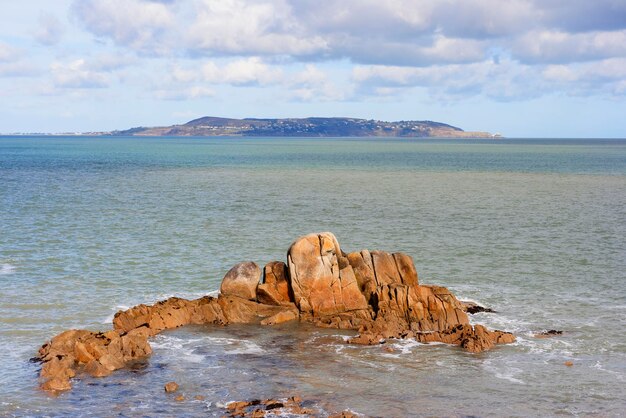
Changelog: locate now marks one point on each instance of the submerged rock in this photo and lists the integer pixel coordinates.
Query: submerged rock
(376, 293)
(548, 334)
(473, 308)
(171, 387)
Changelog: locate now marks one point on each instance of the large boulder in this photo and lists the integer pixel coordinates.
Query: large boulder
(322, 279)
(241, 280)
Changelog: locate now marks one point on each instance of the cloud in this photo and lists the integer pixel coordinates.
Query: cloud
(138, 24)
(250, 71)
(194, 92)
(8, 53)
(13, 63)
(454, 49)
(563, 47)
(237, 27)
(49, 30)
(394, 32)
(77, 75)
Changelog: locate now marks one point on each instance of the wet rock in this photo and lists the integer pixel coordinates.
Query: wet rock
(344, 414)
(473, 308)
(97, 353)
(171, 387)
(569, 363)
(548, 334)
(241, 311)
(271, 408)
(179, 398)
(280, 317)
(241, 280)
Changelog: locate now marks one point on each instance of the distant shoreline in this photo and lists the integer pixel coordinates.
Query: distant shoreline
(313, 127)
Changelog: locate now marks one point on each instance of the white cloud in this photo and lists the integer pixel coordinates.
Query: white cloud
(8, 53)
(249, 71)
(236, 27)
(502, 81)
(562, 47)
(193, 92)
(77, 75)
(13, 63)
(49, 30)
(313, 84)
(139, 24)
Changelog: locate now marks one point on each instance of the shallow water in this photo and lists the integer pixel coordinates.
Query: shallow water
(532, 228)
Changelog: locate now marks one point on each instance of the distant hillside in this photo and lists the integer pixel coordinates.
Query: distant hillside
(306, 127)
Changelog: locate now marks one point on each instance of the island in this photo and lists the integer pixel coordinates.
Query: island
(306, 127)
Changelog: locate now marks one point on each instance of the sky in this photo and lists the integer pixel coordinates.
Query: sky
(522, 68)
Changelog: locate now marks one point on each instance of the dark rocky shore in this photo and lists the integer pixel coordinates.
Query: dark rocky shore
(375, 293)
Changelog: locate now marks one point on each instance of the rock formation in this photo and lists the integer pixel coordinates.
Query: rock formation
(278, 407)
(375, 293)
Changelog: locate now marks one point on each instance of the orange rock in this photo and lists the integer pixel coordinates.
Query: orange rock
(569, 363)
(280, 317)
(241, 281)
(57, 384)
(179, 398)
(171, 387)
(81, 353)
(275, 290)
(406, 269)
(95, 369)
(320, 286)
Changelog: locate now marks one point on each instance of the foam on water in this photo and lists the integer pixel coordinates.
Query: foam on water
(6, 269)
(504, 372)
(109, 319)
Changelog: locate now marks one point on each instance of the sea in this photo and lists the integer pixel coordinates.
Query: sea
(534, 229)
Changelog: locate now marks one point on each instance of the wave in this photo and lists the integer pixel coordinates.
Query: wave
(7, 268)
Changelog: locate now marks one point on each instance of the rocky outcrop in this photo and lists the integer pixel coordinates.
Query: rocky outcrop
(376, 293)
(97, 353)
(292, 406)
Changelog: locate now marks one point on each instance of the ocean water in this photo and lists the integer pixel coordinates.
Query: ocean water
(535, 229)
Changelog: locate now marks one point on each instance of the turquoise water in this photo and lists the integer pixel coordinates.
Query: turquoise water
(532, 228)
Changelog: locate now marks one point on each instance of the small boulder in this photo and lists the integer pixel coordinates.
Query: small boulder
(171, 387)
(242, 281)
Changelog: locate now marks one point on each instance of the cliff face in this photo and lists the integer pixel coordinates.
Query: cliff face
(307, 127)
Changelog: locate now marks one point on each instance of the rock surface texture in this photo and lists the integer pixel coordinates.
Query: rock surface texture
(375, 293)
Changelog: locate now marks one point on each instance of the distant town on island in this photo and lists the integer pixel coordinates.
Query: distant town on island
(298, 127)
(306, 127)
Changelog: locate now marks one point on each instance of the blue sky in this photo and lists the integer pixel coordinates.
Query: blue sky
(535, 68)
